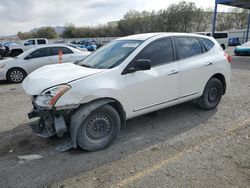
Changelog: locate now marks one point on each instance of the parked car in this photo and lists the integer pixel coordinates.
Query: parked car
(8, 44)
(89, 44)
(15, 50)
(234, 41)
(2, 51)
(244, 49)
(128, 77)
(77, 47)
(17, 68)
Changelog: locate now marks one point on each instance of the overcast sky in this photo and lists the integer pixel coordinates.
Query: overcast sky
(24, 15)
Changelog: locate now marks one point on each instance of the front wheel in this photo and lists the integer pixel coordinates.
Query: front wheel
(99, 129)
(212, 95)
(16, 75)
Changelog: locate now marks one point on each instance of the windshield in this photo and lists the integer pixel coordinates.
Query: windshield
(110, 55)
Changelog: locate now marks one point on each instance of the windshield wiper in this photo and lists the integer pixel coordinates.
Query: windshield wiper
(88, 66)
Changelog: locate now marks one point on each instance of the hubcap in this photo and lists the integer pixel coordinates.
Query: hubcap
(16, 76)
(213, 94)
(98, 128)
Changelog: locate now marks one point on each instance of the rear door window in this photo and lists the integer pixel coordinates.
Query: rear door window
(158, 52)
(187, 47)
(42, 52)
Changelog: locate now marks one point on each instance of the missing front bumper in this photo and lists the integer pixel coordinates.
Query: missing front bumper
(49, 124)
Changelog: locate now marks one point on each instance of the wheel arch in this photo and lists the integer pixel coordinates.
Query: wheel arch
(221, 77)
(85, 109)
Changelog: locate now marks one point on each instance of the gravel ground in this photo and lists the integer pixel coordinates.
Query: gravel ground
(14, 106)
(181, 146)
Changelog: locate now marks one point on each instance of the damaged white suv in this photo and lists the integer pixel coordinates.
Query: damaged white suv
(128, 77)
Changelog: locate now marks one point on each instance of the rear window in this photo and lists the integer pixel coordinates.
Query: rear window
(188, 47)
(42, 52)
(208, 44)
(41, 41)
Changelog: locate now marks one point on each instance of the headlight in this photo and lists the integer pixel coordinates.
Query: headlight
(49, 97)
(2, 66)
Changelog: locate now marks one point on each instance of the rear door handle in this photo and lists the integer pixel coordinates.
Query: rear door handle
(172, 72)
(208, 64)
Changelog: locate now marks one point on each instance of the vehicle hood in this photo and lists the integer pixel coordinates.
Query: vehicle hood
(52, 75)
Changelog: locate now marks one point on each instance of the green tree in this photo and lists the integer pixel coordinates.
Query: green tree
(69, 31)
(46, 32)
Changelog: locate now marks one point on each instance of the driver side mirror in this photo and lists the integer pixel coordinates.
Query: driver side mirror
(138, 65)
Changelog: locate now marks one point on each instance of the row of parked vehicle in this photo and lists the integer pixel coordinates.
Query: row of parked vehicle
(34, 54)
(12, 49)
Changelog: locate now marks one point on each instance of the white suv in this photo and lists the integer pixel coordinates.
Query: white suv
(128, 77)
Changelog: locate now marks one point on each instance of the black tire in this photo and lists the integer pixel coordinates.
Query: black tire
(211, 95)
(99, 129)
(16, 75)
(223, 46)
(1, 56)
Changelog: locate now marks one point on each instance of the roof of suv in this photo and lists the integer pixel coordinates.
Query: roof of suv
(145, 36)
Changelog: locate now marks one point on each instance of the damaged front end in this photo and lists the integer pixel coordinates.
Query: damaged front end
(51, 122)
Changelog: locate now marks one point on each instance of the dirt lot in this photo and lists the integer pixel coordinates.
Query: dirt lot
(181, 146)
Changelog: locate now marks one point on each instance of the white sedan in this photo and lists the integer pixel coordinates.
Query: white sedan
(17, 68)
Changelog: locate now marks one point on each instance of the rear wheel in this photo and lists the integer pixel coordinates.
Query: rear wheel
(223, 46)
(212, 95)
(99, 129)
(16, 75)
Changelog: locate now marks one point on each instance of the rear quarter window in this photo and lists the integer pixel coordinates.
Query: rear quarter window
(188, 47)
(208, 44)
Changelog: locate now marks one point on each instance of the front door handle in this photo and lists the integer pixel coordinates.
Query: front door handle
(172, 72)
(208, 64)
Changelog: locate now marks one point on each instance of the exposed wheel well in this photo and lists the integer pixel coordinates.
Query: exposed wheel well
(222, 79)
(85, 109)
(119, 108)
(115, 104)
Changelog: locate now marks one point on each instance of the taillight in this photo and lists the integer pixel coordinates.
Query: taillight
(229, 58)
